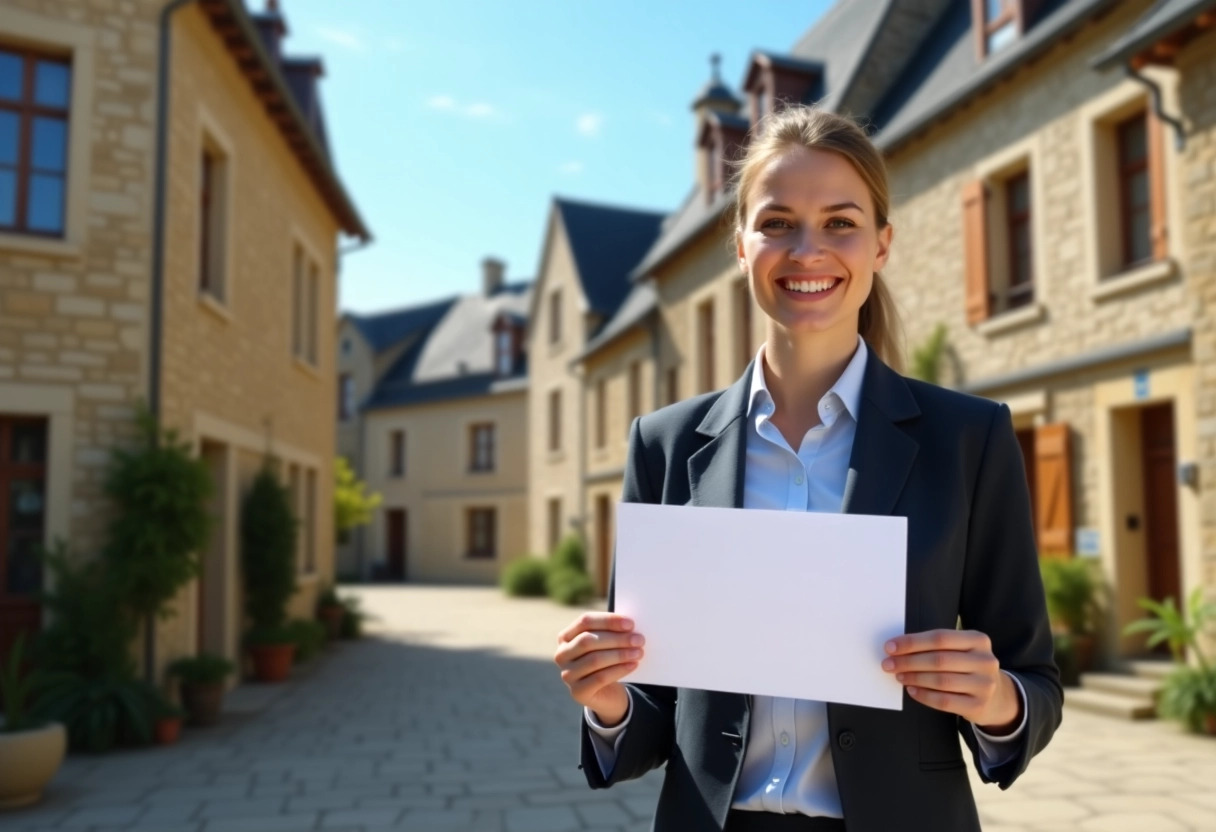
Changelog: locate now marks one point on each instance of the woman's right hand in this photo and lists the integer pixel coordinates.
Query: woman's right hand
(594, 653)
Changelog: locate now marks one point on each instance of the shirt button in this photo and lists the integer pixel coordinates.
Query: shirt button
(785, 738)
(798, 480)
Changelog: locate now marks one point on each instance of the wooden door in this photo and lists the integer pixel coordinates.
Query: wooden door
(1160, 501)
(603, 540)
(23, 462)
(397, 526)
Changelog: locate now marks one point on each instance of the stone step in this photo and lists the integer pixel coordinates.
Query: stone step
(1151, 668)
(1110, 704)
(1136, 687)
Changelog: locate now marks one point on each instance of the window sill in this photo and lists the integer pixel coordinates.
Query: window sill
(215, 306)
(1007, 321)
(306, 367)
(1149, 274)
(34, 244)
(478, 472)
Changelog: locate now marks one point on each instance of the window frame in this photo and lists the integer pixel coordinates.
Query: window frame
(555, 420)
(476, 432)
(346, 396)
(490, 515)
(1124, 173)
(601, 412)
(26, 110)
(706, 345)
(555, 316)
(1019, 293)
(396, 453)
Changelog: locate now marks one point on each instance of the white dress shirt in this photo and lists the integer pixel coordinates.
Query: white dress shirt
(787, 761)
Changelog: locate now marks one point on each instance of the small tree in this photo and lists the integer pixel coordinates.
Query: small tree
(162, 521)
(268, 551)
(927, 358)
(353, 506)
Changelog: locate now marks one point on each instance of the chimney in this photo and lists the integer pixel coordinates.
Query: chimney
(272, 28)
(491, 275)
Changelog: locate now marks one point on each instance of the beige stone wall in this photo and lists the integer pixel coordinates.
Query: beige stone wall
(229, 374)
(438, 488)
(555, 474)
(612, 364)
(1197, 65)
(73, 319)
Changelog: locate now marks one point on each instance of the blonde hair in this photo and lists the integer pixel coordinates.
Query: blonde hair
(802, 126)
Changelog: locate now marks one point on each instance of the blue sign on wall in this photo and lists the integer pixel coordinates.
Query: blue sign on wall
(1088, 543)
(1141, 384)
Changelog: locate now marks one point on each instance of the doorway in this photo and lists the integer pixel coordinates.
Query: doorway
(396, 532)
(23, 511)
(1160, 502)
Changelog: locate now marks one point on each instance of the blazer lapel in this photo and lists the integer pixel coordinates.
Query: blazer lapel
(882, 454)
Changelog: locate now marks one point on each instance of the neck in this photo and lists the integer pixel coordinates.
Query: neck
(800, 370)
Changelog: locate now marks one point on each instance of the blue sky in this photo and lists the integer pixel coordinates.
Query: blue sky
(454, 124)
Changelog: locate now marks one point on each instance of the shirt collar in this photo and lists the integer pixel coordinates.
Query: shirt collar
(847, 388)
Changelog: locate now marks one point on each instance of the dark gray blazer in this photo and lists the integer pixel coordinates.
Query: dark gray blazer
(951, 464)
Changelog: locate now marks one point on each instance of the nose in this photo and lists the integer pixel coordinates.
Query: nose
(806, 245)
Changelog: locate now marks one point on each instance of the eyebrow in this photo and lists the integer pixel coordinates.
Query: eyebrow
(828, 209)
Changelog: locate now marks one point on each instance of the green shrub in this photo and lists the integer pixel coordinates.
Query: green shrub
(205, 668)
(100, 713)
(1071, 587)
(570, 554)
(308, 636)
(352, 621)
(268, 547)
(1189, 696)
(526, 578)
(569, 586)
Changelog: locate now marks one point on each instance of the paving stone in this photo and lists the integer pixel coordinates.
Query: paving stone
(604, 814)
(360, 817)
(424, 820)
(1132, 822)
(103, 816)
(548, 819)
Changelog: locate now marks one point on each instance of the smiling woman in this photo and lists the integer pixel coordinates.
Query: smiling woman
(820, 421)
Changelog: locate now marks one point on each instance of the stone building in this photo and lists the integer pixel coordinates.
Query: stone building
(169, 219)
(1053, 185)
(433, 417)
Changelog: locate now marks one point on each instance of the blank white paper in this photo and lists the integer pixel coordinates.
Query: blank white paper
(770, 603)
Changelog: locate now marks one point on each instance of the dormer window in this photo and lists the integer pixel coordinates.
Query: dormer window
(508, 338)
(776, 80)
(1000, 23)
(721, 140)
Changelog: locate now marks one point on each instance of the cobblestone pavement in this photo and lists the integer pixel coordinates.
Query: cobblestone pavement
(451, 717)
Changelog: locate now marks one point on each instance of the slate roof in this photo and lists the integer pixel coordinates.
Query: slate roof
(455, 357)
(384, 329)
(640, 303)
(1162, 20)
(606, 243)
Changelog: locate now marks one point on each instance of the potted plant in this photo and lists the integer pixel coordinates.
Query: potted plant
(1071, 589)
(1189, 693)
(330, 611)
(268, 546)
(31, 750)
(168, 725)
(352, 619)
(202, 680)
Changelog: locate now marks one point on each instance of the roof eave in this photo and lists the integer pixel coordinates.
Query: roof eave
(1121, 52)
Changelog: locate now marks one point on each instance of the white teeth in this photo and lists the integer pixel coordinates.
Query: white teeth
(810, 285)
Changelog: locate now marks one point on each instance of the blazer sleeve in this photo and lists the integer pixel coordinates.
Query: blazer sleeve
(1002, 594)
(646, 743)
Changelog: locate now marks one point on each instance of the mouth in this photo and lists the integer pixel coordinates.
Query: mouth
(819, 287)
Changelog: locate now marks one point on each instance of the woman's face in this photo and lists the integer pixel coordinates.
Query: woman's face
(810, 242)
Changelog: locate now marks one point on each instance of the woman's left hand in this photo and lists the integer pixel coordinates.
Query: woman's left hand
(955, 671)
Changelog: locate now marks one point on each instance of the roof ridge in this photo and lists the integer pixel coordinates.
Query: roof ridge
(604, 206)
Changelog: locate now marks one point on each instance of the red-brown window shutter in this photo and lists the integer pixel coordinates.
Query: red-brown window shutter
(1156, 184)
(975, 249)
(1053, 480)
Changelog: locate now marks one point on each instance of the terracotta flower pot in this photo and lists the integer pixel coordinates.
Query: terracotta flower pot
(28, 761)
(203, 701)
(332, 615)
(272, 662)
(167, 730)
(1085, 646)
(1209, 724)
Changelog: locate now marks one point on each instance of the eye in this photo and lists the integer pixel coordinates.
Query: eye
(841, 222)
(777, 223)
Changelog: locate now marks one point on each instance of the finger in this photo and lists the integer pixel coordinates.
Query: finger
(952, 703)
(591, 641)
(593, 684)
(596, 621)
(959, 640)
(581, 668)
(965, 683)
(949, 661)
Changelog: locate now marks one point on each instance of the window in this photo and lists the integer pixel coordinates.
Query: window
(397, 453)
(346, 396)
(308, 521)
(23, 510)
(481, 532)
(504, 348)
(555, 522)
(743, 323)
(1000, 23)
(555, 420)
(673, 385)
(998, 222)
(601, 413)
(706, 344)
(481, 447)
(34, 104)
(1135, 210)
(1017, 216)
(555, 316)
(634, 399)
(306, 288)
(212, 204)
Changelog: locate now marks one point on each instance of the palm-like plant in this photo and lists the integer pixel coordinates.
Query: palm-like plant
(1179, 628)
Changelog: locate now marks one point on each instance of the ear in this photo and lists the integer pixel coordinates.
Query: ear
(884, 246)
(741, 257)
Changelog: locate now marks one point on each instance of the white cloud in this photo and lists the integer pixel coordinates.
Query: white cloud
(589, 124)
(441, 102)
(480, 109)
(571, 168)
(345, 38)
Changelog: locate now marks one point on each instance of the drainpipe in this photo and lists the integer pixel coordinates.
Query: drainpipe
(156, 322)
(1154, 90)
